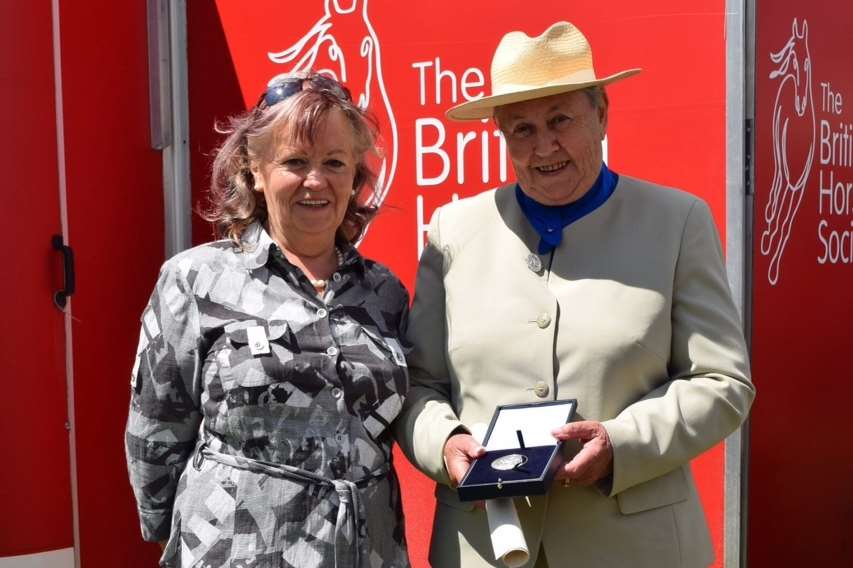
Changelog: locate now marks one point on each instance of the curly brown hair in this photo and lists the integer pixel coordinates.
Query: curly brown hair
(233, 202)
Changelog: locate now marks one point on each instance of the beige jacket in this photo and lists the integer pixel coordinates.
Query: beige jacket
(633, 317)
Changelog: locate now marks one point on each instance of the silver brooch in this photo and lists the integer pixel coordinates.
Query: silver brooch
(508, 462)
(534, 263)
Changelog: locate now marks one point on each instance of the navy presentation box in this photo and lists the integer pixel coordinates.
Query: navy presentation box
(521, 454)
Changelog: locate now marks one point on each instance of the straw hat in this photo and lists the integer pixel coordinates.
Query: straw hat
(524, 68)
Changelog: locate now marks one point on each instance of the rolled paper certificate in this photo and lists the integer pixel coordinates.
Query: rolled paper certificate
(505, 529)
(507, 538)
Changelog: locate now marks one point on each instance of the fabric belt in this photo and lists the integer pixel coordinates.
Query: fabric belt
(347, 541)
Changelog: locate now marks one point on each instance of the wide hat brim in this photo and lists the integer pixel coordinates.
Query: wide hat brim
(484, 107)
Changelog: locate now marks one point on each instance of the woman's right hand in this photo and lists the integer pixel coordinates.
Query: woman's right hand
(459, 451)
(162, 544)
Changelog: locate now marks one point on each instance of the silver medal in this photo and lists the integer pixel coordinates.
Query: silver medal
(508, 462)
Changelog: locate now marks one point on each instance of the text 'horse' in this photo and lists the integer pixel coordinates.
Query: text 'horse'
(793, 144)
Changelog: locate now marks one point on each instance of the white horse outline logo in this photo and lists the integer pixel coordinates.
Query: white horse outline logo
(790, 122)
(354, 60)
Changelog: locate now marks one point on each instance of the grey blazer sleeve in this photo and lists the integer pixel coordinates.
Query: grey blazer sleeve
(709, 392)
(428, 417)
(164, 416)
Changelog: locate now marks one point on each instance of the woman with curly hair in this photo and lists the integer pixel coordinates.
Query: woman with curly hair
(270, 364)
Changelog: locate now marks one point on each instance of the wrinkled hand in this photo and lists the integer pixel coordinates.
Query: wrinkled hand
(595, 459)
(459, 451)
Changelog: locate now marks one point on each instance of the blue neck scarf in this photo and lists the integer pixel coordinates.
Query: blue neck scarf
(550, 220)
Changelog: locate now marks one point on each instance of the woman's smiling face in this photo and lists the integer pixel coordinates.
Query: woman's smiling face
(555, 144)
(307, 186)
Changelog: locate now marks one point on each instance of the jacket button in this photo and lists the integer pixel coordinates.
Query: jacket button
(534, 263)
(541, 389)
(543, 321)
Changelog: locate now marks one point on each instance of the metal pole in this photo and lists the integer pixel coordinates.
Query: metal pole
(739, 67)
(71, 424)
(168, 88)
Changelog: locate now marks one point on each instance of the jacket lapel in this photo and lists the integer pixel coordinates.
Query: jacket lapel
(514, 218)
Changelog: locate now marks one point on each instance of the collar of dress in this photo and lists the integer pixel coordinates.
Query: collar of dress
(257, 242)
(550, 220)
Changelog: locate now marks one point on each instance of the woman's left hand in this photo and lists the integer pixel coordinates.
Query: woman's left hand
(595, 459)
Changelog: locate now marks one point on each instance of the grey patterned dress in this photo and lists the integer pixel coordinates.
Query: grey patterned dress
(258, 432)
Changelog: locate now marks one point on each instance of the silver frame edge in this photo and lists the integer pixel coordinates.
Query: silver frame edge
(739, 36)
(71, 423)
(177, 201)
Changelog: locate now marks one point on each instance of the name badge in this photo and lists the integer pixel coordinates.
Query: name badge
(258, 342)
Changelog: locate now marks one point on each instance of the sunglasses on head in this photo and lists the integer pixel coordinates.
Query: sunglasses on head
(282, 87)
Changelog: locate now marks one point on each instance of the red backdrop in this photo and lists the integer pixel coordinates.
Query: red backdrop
(800, 503)
(428, 56)
(667, 125)
(115, 226)
(115, 212)
(35, 486)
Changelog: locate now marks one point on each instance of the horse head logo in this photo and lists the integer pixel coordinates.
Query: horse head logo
(343, 44)
(793, 143)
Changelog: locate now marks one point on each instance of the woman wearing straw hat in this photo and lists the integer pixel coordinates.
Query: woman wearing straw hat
(576, 282)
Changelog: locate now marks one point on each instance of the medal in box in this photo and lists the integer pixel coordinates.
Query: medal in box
(521, 454)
